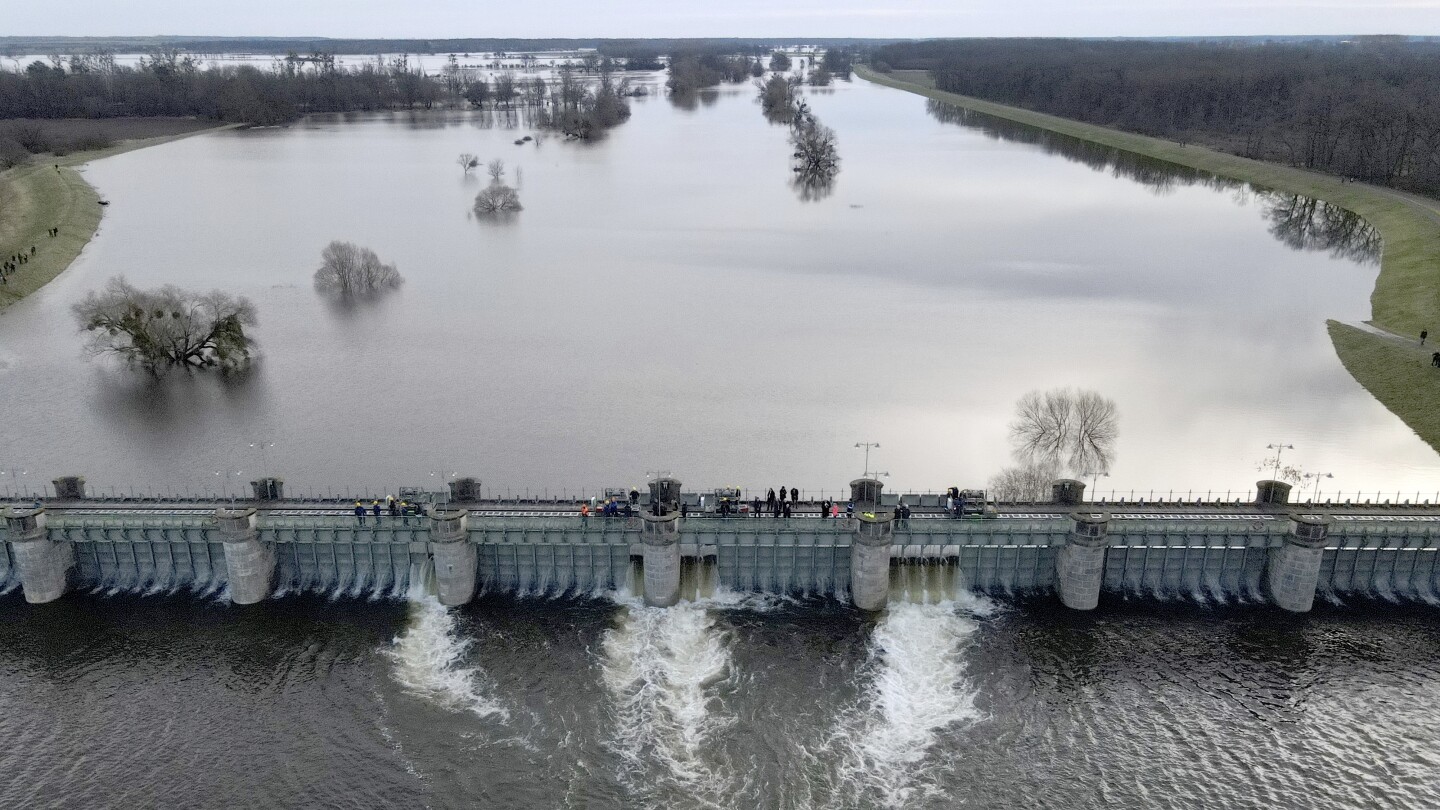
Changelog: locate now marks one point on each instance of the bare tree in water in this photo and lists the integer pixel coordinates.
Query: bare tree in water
(167, 326)
(496, 169)
(349, 269)
(1063, 428)
(497, 198)
(467, 161)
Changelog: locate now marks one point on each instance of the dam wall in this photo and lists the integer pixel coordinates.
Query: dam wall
(1219, 557)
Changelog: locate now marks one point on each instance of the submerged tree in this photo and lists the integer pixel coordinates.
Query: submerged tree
(584, 114)
(467, 161)
(497, 198)
(816, 160)
(167, 326)
(349, 269)
(777, 98)
(1064, 428)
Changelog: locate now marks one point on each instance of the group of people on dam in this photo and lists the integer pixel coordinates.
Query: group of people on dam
(394, 507)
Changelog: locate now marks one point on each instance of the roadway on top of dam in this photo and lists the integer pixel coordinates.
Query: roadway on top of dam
(1178, 511)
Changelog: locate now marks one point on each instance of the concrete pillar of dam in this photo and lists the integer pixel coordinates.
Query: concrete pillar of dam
(69, 488)
(43, 565)
(660, 537)
(249, 562)
(268, 489)
(1294, 568)
(465, 490)
(1080, 566)
(456, 558)
(1067, 491)
(871, 535)
(1272, 493)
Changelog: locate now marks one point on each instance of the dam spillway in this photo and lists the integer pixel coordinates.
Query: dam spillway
(1208, 553)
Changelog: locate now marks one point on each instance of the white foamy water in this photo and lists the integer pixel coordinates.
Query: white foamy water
(918, 689)
(660, 665)
(429, 653)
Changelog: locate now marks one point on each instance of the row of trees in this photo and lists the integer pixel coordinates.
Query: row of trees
(815, 160)
(175, 84)
(1365, 109)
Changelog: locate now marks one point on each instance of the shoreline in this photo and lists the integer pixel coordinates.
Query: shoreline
(1406, 297)
(37, 197)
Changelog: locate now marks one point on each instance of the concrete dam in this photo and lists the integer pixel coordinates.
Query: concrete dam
(1266, 551)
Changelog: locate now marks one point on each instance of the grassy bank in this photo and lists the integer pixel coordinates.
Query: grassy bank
(38, 197)
(1406, 298)
(1397, 372)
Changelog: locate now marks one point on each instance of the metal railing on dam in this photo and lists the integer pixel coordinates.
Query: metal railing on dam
(1223, 555)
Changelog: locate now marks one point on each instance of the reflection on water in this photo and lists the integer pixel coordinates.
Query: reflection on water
(666, 302)
(1300, 222)
(1304, 223)
(1161, 176)
(813, 186)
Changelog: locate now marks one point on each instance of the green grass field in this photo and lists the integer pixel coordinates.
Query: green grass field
(1406, 298)
(1398, 373)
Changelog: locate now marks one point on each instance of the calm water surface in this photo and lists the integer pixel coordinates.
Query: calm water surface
(599, 703)
(666, 301)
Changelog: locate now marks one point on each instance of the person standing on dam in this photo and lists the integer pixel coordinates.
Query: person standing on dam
(375, 509)
(359, 513)
(794, 495)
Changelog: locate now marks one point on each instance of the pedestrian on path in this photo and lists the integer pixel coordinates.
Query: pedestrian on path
(1423, 334)
(1435, 359)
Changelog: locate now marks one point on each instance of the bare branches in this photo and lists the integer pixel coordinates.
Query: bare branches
(467, 161)
(1076, 430)
(349, 269)
(167, 326)
(496, 170)
(1025, 483)
(497, 198)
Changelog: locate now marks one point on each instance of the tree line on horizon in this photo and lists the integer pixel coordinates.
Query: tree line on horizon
(170, 83)
(1366, 109)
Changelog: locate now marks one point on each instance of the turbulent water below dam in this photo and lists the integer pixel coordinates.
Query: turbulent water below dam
(729, 701)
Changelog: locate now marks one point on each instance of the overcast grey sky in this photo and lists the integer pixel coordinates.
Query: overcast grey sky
(687, 18)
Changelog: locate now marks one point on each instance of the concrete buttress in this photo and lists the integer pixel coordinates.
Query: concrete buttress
(249, 562)
(43, 564)
(456, 558)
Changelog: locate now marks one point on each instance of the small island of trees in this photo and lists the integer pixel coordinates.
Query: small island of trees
(348, 269)
(152, 329)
